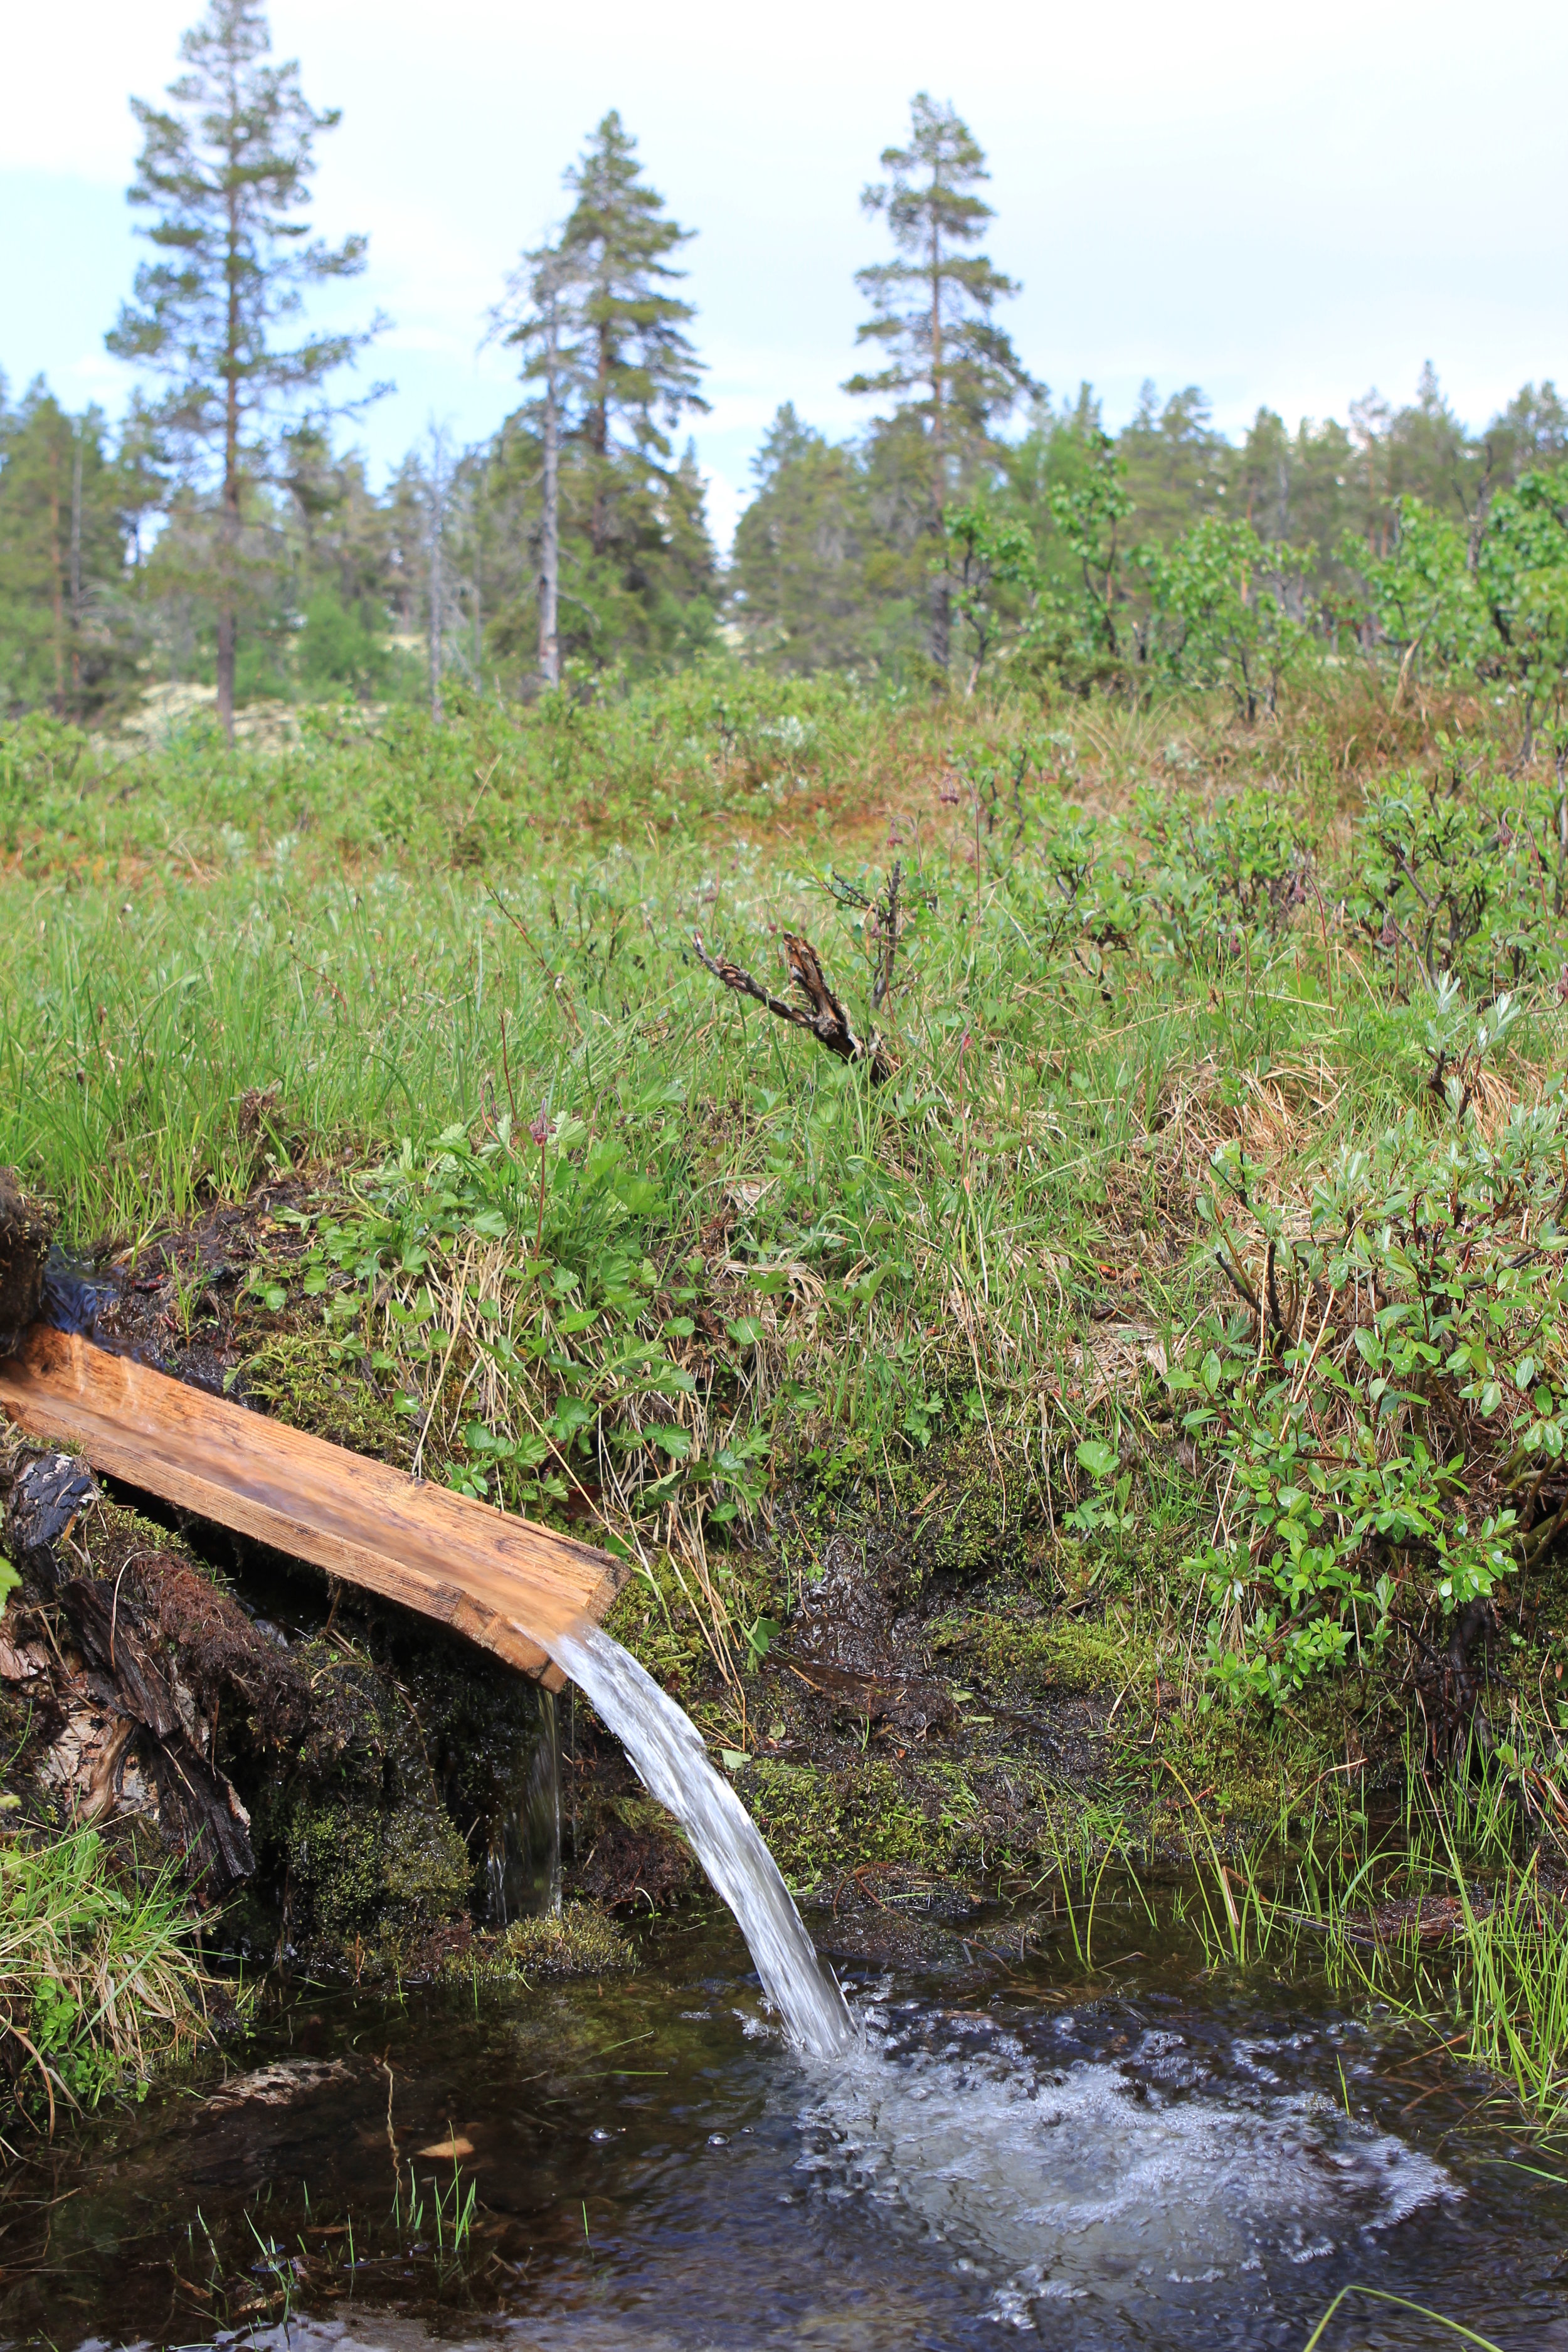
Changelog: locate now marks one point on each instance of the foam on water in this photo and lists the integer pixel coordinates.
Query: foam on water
(1115, 2180)
(666, 1748)
(1059, 2175)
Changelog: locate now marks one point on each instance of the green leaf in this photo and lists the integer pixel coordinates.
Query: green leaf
(569, 1416)
(1097, 1458)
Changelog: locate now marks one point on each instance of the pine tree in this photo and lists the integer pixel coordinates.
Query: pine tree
(930, 314)
(639, 371)
(62, 556)
(586, 470)
(225, 173)
(537, 314)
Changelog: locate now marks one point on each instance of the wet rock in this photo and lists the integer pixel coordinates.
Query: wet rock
(638, 1861)
(905, 1703)
(280, 2082)
(486, 1733)
(25, 1230)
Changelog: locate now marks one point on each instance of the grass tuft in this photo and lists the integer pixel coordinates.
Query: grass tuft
(99, 1979)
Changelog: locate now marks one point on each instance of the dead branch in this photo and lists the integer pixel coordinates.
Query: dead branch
(826, 1018)
(886, 920)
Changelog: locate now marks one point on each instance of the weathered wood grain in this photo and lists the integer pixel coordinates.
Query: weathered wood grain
(509, 1585)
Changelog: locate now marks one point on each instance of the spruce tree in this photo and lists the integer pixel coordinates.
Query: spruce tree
(946, 361)
(797, 570)
(639, 371)
(225, 175)
(624, 566)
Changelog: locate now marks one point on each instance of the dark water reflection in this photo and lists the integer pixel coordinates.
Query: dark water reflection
(1154, 2157)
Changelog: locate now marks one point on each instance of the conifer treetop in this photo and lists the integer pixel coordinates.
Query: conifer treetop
(614, 253)
(224, 172)
(930, 308)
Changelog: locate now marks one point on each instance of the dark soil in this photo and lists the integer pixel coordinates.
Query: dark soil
(25, 1230)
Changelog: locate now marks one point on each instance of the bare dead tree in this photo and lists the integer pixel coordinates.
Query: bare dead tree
(824, 1014)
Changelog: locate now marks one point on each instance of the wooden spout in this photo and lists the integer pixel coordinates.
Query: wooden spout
(509, 1585)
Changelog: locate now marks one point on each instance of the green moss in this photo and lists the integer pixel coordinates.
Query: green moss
(368, 1842)
(1054, 1652)
(334, 1866)
(951, 1516)
(299, 1376)
(939, 1820)
(580, 1940)
(651, 1617)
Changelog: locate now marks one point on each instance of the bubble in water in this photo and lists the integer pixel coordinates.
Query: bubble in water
(1099, 2178)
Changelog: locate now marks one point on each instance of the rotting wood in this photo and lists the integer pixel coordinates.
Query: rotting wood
(506, 1583)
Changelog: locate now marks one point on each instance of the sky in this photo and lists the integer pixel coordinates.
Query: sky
(1283, 206)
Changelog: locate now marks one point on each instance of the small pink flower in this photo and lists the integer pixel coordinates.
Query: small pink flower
(539, 1128)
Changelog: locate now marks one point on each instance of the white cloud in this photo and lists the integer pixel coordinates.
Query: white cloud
(1279, 208)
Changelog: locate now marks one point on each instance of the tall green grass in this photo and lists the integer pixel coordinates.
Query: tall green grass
(731, 1248)
(98, 1977)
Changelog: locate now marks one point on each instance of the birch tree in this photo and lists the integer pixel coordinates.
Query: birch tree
(538, 316)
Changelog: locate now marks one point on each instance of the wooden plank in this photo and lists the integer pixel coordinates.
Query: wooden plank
(505, 1582)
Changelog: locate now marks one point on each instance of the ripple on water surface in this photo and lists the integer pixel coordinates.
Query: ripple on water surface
(1169, 2166)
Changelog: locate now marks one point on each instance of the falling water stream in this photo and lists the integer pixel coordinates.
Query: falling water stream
(665, 1745)
(1139, 2156)
(522, 1852)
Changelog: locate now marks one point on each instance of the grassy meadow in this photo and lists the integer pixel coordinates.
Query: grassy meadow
(1188, 1255)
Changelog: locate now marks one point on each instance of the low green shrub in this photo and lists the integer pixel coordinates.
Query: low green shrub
(1387, 1415)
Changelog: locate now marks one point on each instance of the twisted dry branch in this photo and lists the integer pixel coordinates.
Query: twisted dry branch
(826, 1018)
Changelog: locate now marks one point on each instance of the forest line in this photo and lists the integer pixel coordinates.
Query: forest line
(224, 530)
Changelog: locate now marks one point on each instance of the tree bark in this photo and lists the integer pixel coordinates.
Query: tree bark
(59, 586)
(436, 583)
(228, 529)
(941, 592)
(599, 438)
(549, 534)
(76, 572)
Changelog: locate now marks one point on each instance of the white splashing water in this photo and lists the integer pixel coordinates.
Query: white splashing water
(1098, 2180)
(666, 1748)
(1085, 2183)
